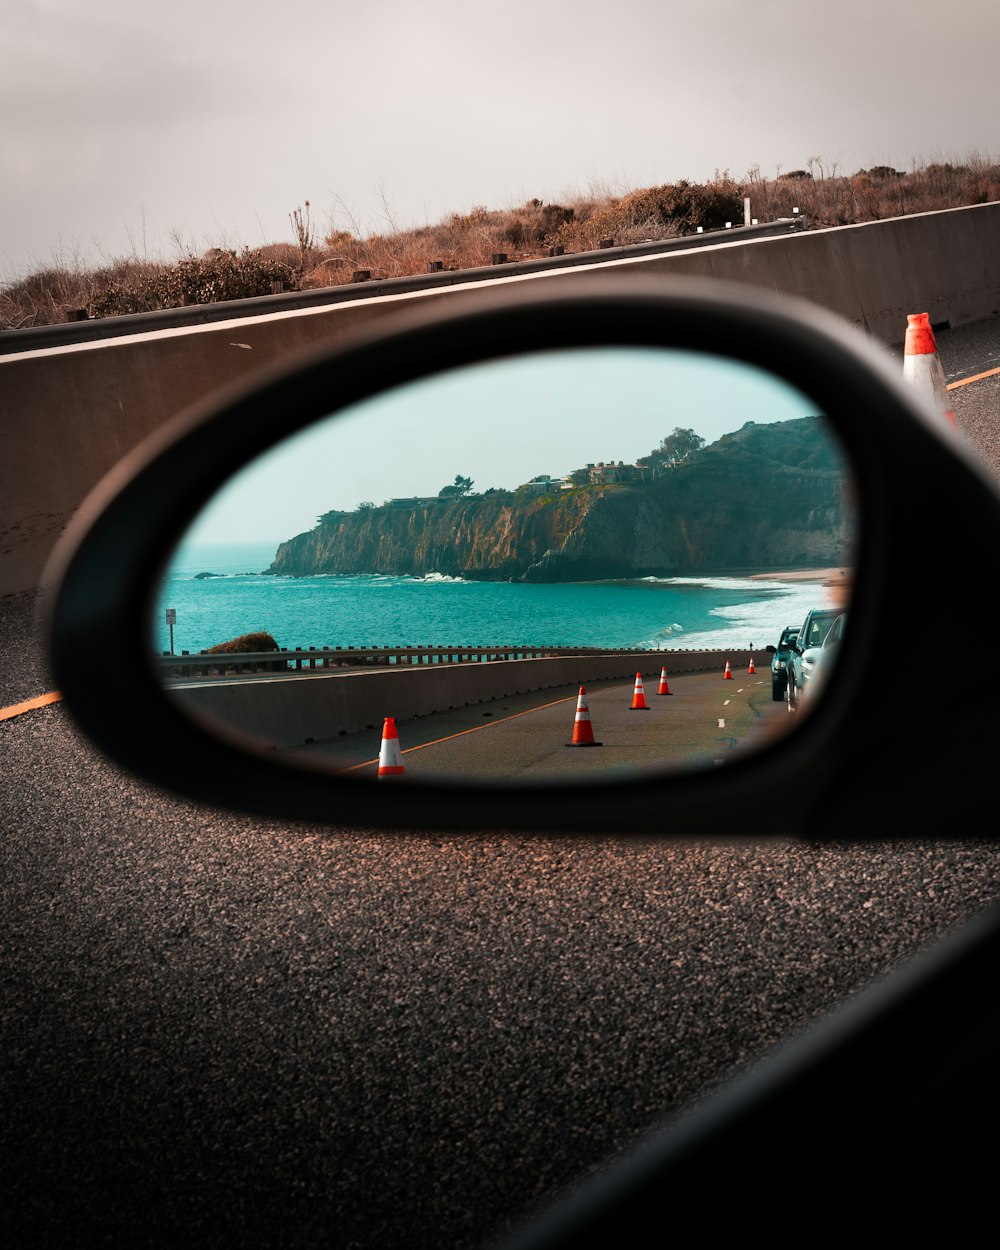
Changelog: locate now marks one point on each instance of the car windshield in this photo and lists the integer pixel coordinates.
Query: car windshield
(819, 627)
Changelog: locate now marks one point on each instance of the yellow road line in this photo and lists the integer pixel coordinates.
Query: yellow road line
(977, 377)
(462, 732)
(17, 709)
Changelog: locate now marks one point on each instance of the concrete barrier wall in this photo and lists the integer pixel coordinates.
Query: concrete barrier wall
(68, 414)
(946, 264)
(288, 711)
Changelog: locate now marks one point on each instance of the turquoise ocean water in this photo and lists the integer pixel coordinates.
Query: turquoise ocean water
(357, 611)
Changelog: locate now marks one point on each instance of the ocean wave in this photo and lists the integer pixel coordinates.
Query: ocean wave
(736, 583)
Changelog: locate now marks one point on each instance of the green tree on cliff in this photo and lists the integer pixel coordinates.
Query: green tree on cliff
(680, 445)
(461, 486)
(675, 448)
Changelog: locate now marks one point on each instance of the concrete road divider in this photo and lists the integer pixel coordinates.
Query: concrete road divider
(289, 711)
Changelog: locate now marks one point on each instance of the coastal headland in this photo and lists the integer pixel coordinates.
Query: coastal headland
(767, 496)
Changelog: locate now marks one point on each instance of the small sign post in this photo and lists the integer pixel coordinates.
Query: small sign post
(171, 622)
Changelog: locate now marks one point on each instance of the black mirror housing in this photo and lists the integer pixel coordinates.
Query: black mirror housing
(107, 564)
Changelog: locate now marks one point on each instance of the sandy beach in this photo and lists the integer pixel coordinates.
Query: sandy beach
(829, 577)
(836, 581)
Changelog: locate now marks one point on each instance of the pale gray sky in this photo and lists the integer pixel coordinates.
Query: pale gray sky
(125, 125)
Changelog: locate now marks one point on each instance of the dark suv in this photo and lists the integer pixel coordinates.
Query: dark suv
(805, 648)
(779, 662)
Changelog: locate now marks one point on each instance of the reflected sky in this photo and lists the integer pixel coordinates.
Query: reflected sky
(500, 423)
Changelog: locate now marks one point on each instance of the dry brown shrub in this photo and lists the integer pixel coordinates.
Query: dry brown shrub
(281, 253)
(42, 298)
(879, 192)
(658, 213)
(259, 641)
(221, 274)
(468, 240)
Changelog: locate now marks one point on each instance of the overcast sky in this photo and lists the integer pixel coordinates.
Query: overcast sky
(126, 126)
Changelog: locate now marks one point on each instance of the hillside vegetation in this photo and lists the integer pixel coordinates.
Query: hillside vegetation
(464, 240)
(763, 497)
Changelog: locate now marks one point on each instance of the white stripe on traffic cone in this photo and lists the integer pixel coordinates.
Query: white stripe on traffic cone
(639, 703)
(922, 366)
(583, 731)
(390, 757)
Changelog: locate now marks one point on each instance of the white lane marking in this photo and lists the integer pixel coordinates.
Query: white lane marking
(722, 723)
(726, 702)
(234, 323)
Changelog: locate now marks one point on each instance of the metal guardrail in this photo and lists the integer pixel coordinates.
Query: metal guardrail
(291, 661)
(32, 338)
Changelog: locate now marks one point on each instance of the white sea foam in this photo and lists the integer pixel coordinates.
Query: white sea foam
(730, 583)
(760, 621)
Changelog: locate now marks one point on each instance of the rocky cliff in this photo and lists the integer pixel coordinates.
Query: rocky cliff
(766, 496)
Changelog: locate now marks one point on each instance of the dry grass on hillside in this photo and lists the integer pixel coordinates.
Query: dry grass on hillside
(466, 240)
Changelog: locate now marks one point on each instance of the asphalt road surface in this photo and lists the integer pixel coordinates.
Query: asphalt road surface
(220, 1031)
(703, 722)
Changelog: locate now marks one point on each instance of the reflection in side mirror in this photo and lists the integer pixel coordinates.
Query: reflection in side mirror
(489, 559)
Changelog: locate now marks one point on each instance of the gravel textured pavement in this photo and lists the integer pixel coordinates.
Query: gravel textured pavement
(222, 1031)
(218, 1031)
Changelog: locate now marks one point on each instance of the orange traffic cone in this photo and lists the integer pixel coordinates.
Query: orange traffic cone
(751, 669)
(664, 688)
(727, 675)
(921, 364)
(639, 703)
(390, 757)
(583, 730)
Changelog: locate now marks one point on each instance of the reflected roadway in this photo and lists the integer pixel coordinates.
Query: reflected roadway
(702, 722)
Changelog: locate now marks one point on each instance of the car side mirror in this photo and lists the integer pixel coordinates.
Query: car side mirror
(588, 362)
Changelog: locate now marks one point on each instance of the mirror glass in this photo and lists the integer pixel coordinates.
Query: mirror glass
(479, 575)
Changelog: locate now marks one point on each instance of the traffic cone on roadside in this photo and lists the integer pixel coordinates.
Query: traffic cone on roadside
(583, 730)
(639, 703)
(664, 688)
(727, 675)
(922, 366)
(751, 669)
(390, 757)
